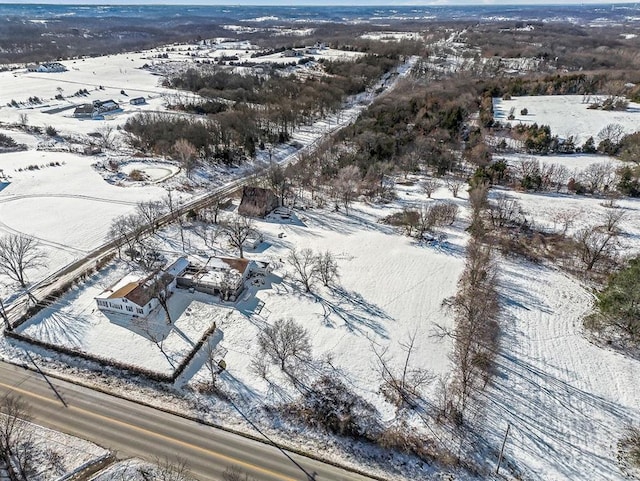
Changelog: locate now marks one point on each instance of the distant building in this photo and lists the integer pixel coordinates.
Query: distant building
(84, 111)
(257, 201)
(47, 67)
(95, 109)
(138, 101)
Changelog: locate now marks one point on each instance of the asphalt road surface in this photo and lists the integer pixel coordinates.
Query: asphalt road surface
(132, 430)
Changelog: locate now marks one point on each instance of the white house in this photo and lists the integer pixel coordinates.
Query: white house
(138, 296)
(96, 109)
(47, 67)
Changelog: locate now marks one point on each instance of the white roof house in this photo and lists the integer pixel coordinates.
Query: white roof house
(137, 296)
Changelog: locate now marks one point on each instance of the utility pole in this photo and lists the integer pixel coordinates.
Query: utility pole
(504, 441)
(3, 313)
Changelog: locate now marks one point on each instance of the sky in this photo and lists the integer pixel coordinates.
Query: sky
(394, 3)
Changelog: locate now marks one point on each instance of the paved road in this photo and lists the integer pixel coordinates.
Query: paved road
(134, 430)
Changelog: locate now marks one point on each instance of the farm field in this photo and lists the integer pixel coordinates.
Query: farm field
(566, 115)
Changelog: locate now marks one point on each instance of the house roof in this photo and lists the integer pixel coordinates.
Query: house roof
(148, 289)
(178, 267)
(124, 290)
(234, 263)
(84, 109)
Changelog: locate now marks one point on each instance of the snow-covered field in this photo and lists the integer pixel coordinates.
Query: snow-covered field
(67, 206)
(568, 401)
(566, 115)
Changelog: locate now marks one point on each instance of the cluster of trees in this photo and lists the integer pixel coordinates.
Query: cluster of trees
(8, 144)
(532, 175)
(255, 111)
(420, 222)
(310, 267)
(619, 303)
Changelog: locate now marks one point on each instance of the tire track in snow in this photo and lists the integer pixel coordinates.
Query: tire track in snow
(12, 198)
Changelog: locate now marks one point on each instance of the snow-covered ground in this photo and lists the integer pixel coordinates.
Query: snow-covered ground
(568, 401)
(566, 115)
(129, 469)
(390, 36)
(57, 455)
(67, 206)
(574, 162)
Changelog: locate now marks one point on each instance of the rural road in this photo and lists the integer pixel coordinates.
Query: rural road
(132, 430)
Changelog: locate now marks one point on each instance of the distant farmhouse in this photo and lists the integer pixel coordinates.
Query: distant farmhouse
(47, 67)
(95, 109)
(257, 201)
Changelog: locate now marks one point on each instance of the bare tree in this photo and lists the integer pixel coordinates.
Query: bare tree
(598, 177)
(168, 470)
(558, 176)
(208, 233)
(454, 184)
(149, 212)
(594, 245)
(210, 212)
(479, 202)
(171, 205)
(327, 268)
(161, 291)
(402, 385)
(612, 133)
(504, 211)
(564, 219)
(305, 266)
(233, 473)
(125, 230)
(277, 181)
(107, 136)
(19, 253)
(186, 154)
(284, 342)
(347, 184)
(429, 186)
(476, 332)
(23, 120)
(15, 442)
(238, 229)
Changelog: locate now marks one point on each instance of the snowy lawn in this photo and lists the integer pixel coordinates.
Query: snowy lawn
(390, 287)
(566, 115)
(148, 343)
